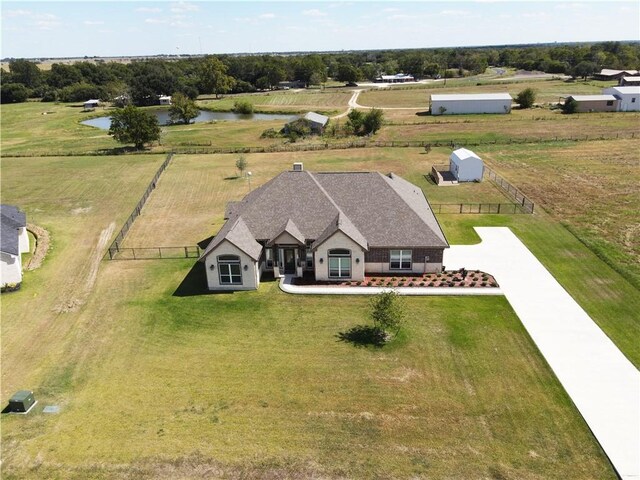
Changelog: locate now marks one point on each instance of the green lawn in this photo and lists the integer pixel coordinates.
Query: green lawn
(258, 382)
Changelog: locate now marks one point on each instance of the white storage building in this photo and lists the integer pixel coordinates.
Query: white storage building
(466, 166)
(629, 97)
(453, 104)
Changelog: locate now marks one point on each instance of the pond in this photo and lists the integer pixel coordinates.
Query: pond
(205, 116)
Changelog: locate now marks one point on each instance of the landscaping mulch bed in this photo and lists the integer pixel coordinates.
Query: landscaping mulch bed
(455, 278)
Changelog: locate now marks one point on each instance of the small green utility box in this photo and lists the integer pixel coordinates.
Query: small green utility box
(22, 401)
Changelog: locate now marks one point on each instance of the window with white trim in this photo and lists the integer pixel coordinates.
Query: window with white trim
(400, 259)
(229, 270)
(309, 259)
(268, 257)
(339, 263)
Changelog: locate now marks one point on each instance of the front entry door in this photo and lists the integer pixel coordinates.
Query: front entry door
(289, 260)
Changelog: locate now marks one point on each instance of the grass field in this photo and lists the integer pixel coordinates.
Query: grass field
(156, 380)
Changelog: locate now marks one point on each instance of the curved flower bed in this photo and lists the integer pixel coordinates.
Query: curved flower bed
(456, 278)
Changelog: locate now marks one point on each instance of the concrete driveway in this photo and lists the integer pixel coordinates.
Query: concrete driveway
(603, 384)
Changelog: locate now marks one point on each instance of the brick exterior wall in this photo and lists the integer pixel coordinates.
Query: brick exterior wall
(381, 255)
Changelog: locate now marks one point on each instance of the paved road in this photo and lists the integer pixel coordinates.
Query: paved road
(603, 384)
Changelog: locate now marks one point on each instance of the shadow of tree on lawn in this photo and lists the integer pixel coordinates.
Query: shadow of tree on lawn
(364, 336)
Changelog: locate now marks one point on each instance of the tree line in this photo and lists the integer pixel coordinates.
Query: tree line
(143, 81)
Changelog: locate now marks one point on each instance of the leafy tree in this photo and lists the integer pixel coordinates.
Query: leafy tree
(526, 98)
(296, 129)
(584, 69)
(570, 106)
(243, 106)
(133, 125)
(372, 121)
(387, 310)
(355, 120)
(213, 77)
(364, 123)
(182, 108)
(242, 164)
(348, 73)
(25, 72)
(13, 93)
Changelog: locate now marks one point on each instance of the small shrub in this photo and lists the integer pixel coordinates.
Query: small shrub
(369, 284)
(484, 284)
(411, 284)
(243, 106)
(472, 284)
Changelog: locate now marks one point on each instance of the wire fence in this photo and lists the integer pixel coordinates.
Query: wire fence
(510, 190)
(116, 244)
(478, 208)
(117, 252)
(196, 148)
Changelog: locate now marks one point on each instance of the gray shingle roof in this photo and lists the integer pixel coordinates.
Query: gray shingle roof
(292, 230)
(343, 224)
(373, 209)
(11, 219)
(236, 232)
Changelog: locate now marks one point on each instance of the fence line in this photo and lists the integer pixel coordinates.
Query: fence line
(276, 148)
(510, 190)
(155, 253)
(114, 248)
(478, 208)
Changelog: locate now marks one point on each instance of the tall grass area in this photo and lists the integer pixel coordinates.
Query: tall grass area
(258, 382)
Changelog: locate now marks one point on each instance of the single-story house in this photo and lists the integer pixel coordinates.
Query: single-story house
(331, 225)
(397, 78)
(466, 166)
(630, 81)
(628, 97)
(595, 103)
(610, 74)
(14, 241)
(459, 103)
(91, 104)
(165, 100)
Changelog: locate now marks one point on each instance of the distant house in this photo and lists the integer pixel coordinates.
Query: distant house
(165, 100)
(397, 78)
(14, 241)
(610, 74)
(286, 85)
(628, 97)
(594, 103)
(91, 104)
(334, 226)
(630, 81)
(466, 166)
(453, 104)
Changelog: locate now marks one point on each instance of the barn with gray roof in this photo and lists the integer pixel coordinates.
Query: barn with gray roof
(331, 225)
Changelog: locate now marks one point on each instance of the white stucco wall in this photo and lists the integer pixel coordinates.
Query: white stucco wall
(250, 277)
(338, 240)
(457, 107)
(23, 240)
(10, 269)
(626, 104)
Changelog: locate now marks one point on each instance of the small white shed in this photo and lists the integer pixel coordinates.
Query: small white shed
(629, 97)
(90, 104)
(466, 165)
(165, 100)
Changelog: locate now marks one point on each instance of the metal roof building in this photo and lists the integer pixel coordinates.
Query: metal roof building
(455, 104)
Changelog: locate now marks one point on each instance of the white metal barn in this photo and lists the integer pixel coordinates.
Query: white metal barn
(629, 97)
(466, 165)
(453, 104)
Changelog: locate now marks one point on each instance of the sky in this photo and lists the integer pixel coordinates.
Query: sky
(52, 29)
